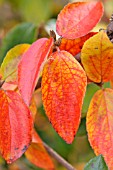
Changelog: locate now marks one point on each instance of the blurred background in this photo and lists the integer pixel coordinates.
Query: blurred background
(33, 19)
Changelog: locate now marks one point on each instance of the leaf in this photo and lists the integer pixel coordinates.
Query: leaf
(33, 108)
(96, 163)
(78, 18)
(22, 33)
(30, 12)
(97, 57)
(9, 86)
(90, 91)
(63, 89)
(74, 46)
(100, 124)
(111, 81)
(10, 62)
(38, 155)
(15, 126)
(29, 67)
(82, 128)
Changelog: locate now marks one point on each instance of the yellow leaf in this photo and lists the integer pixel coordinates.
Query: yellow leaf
(97, 57)
(10, 63)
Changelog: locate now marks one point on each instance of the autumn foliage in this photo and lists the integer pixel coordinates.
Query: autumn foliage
(63, 84)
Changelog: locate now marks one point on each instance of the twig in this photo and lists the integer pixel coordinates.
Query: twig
(59, 158)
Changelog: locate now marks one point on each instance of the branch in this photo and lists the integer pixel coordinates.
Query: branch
(59, 158)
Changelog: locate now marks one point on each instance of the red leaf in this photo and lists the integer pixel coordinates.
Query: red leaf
(74, 46)
(15, 126)
(38, 155)
(63, 88)
(100, 124)
(29, 67)
(77, 19)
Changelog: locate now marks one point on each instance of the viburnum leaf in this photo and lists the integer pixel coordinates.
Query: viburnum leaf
(33, 108)
(97, 57)
(10, 63)
(100, 124)
(63, 89)
(29, 67)
(96, 163)
(74, 46)
(15, 126)
(75, 19)
(21, 33)
(38, 155)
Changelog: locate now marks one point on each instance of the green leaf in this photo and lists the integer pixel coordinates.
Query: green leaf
(96, 163)
(35, 11)
(82, 128)
(91, 89)
(22, 33)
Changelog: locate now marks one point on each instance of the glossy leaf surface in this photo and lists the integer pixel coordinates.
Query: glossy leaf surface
(29, 67)
(63, 89)
(22, 33)
(100, 124)
(75, 20)
(10, 63)
(74, 46)
(97, 57)
(96, 163)
(38, 155)
(15, 126)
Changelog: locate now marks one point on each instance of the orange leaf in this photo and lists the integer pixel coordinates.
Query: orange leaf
(78, 18)
(15, 126)
(97, 57)
(33, 108)
(74, 46)
(63, 88)
(100, 124)
(37, 154)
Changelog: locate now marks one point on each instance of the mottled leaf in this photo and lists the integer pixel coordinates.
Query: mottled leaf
(100, 124)
(10, 63)
(96, 163)
(74, 46)
(78, 18)
(15, 126)
(38, 155)
(29, 67)
(63, 89)
(22, 33)
(97, 57)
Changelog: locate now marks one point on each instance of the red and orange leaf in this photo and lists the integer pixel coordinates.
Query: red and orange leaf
(97, 57)
(15, 126)
(78, 18)
(29, 67)
(100, 124)
(63, 89)
(37, 154)
(74, 46)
